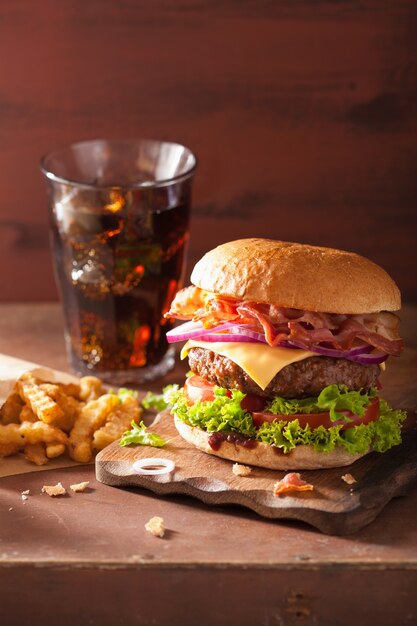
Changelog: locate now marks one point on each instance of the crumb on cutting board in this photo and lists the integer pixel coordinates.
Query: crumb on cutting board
(80, 487)
(156, 526)
(54, 490)
(241, 470)
(349, 479)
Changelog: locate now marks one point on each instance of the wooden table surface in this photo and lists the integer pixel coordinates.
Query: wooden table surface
(86, 558)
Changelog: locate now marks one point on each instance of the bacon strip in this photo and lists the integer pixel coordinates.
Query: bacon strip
(187, 303)
(309, 328)
(259, 312)
(291, 482)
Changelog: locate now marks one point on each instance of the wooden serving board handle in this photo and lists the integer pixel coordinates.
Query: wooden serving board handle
(333, 507)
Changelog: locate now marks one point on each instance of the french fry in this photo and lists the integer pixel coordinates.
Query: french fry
(68, 405)
(44, 419)
(32, 437)
(35, 452)
(55, 449)
(50, 389)
(19, 435)
(70, 408)
(7, 449)
(11, 436)
(46, 409)
(91, 388)
(9, 412)
(91, 417)
(41, 432)
(118, 422)
(70, 389)
(27, 415)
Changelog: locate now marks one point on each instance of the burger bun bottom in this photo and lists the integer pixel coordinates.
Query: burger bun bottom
(267, 456)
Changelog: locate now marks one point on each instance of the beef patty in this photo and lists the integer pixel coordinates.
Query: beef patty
(298, 380)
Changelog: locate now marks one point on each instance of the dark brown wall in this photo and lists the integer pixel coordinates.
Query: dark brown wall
(303, 116)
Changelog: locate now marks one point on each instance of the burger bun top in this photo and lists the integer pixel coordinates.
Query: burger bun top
(297, 276)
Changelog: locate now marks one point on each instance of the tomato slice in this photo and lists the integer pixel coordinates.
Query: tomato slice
(321, 419)
(253, 403)
(197, 388)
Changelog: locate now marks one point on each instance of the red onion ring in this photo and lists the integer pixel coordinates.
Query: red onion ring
(338, 354)
(246, 334)
(359, 354)
(196, 330)
(374, 358)
(228, 337)
(191, 330)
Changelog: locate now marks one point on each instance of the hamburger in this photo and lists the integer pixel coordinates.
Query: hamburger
(286, 343)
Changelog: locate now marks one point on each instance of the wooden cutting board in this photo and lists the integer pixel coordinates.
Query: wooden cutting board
(333, 507)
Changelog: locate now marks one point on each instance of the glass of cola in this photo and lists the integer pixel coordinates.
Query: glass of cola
(119, 220)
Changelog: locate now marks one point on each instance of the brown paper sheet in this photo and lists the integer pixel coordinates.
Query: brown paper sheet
(10, 370)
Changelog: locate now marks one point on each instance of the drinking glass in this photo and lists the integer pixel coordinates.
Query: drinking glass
(119, 220)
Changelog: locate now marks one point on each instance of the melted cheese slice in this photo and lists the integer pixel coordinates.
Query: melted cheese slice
(258, 360)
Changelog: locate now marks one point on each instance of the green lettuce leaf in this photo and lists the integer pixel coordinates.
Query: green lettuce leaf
(336, 398)
(160, 401)
(125, 393)
(284, 406)
(333, 398)
(225, 414)
(141, 436)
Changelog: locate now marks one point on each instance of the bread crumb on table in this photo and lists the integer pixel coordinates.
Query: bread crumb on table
(156, 526)
(54, 490)
(79, 487)
(349, 479)
(241, 470)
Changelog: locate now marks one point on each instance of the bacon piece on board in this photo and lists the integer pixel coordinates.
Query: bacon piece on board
(291, 482)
